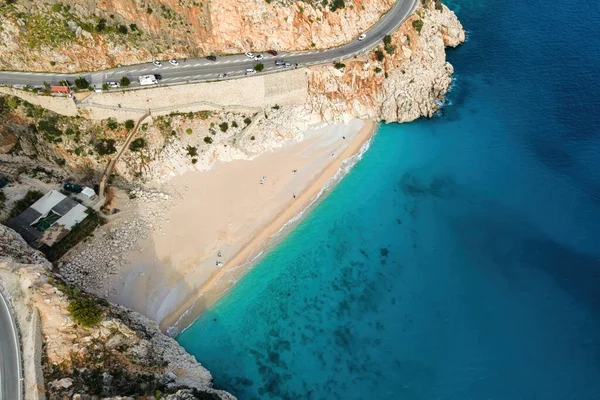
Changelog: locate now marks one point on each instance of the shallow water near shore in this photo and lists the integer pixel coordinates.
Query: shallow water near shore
(459, 259)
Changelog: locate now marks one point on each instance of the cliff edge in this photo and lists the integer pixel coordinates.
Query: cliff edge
(122, 354)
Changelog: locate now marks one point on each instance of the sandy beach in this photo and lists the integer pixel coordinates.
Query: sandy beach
(176, 273)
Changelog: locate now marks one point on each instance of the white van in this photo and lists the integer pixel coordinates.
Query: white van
(250, 71)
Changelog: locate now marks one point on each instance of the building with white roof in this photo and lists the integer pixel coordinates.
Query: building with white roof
(49, 219)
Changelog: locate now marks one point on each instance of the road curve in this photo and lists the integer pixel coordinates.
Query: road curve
(11, 386)
(198, 70)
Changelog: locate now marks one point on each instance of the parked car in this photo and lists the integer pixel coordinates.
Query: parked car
(211, 58)
(71, 187)
(250, 71)
(157, 63)
(249, 55)
(258, 57)
(362, 37)
(272, 52)
(173, 62)
(113, 84)
(223, 75)
(279, 62)
(158, 77)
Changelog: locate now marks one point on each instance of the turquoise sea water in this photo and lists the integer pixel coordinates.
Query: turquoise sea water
(460, 259)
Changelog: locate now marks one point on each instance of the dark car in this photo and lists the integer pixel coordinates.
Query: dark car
(158, 77)
(211, 58)
(272, 52)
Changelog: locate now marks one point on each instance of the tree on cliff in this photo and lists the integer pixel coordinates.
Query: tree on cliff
(85, 312)
(81, 83)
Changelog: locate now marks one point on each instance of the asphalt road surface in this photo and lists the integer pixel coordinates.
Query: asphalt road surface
(196, 70)
(10, 366)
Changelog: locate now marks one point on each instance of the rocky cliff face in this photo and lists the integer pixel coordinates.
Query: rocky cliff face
(93, 34)
(125, 354)
(398, 82)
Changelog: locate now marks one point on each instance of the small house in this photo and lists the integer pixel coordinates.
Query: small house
(49, 219)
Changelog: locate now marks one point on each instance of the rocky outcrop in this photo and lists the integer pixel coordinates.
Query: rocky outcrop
(406, 81)
(124, 351)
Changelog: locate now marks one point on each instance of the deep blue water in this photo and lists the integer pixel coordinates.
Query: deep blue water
(460, 259)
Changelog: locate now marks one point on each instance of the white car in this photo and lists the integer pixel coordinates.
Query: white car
(258, 57)
(223, 75)
(157, 63)
(113, 84)
(362, 37)
(173, 62)
(250, 71)
(249, 55)
(290, 65)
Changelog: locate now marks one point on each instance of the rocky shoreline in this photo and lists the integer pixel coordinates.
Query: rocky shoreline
(124, 344)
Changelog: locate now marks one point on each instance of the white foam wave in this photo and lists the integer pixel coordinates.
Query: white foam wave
(345, 167)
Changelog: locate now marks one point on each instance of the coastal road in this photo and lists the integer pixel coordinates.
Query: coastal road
(198, 70)
(10, 358)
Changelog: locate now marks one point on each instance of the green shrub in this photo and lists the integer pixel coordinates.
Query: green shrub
(379, 55)
(105, 87)
(105, 147)
(194, 160)
(101, 25)
(57, 7)
(377, 70)
(276, 107)
(390, 49)
(122, 29)
(247, 121)
(252, 138)
(193, 151)
(224, 126)
(339, 65)
(53, 63)
(85, 312)
(13, 103)
(259, 67)
(234, 124)
(188, 131)
(208, 140)
(50, 128)
(125, 81)
(137, 144)
(129, 124)
(418, 25)
(112, 124)
(70, 131)
(81, 83)
(148, 10)
(336, 5)
(387, 39)
(438, 5)
(133, 27)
